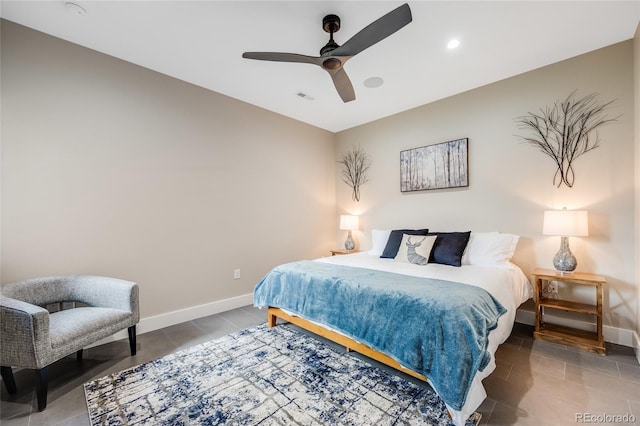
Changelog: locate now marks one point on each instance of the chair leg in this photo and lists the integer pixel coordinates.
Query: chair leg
(9, 381)
(42, 382)
(132, 339)
(79, 355)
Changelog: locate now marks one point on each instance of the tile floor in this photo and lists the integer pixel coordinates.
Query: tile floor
(535, 383)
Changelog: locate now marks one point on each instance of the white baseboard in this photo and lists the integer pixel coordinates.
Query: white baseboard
(620, 336)
(157, 322)
(617, 335)
(176, 317)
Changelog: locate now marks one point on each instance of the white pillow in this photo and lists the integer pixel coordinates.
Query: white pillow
(489, 248)
(415, 249)
(379, 239)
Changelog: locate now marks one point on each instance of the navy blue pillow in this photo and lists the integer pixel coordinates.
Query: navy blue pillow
(449, 247)
(395, 239)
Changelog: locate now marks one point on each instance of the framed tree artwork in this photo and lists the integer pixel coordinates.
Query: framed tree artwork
(443, 165)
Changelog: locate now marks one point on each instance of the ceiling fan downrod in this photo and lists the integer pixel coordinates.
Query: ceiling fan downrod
(330, 24)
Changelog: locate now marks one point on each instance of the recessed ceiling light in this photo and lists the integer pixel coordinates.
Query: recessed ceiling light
(75, 9)
(453, 43)
(373, 82)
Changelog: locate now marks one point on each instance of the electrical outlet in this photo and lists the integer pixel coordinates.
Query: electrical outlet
(236, 274)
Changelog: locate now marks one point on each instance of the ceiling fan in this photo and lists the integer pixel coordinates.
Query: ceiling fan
(333, 56)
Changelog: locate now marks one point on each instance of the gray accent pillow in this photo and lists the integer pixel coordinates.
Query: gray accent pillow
(415, 249)
(395, 238)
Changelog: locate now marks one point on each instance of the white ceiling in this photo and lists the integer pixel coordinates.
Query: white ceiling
(201, 42)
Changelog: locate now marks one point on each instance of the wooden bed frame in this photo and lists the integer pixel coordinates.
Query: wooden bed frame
(274, 313)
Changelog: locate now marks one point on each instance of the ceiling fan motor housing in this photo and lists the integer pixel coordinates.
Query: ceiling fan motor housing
(332, 63)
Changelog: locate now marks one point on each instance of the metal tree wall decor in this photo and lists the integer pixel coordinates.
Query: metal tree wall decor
(355, 165)
(565, 132)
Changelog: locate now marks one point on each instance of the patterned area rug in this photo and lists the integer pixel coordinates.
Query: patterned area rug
(277, 376)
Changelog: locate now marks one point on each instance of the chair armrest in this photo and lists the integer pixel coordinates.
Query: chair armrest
(24, 337)
(105, 292)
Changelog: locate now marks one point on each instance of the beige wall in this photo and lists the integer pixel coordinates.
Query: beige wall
(636, 74)
(511, 183)
(109, 168)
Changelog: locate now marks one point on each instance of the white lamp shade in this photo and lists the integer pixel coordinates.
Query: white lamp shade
(349, 222)
(565, 223)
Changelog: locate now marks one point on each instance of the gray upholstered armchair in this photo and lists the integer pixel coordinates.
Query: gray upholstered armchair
(32, 337)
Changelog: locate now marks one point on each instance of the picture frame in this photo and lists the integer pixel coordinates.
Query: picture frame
(439, 166)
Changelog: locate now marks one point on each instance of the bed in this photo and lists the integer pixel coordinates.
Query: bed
(434, 321)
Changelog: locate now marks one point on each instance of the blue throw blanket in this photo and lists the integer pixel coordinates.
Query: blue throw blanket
(436, 328)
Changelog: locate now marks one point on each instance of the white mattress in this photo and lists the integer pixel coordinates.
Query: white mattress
(506, 282)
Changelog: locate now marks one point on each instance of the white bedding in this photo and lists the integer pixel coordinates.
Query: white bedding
(506, 282)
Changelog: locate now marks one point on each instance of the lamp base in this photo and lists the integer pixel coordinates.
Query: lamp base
(349, 244)
(564, 261)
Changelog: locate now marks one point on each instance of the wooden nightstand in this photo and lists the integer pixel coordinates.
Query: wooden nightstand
(585, 340)
(342, 251)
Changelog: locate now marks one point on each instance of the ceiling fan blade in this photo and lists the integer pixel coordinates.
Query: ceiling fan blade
(375, 32)
(282, 57)
(343, 84)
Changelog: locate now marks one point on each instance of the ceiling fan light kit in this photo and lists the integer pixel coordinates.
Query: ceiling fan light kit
(333, 56)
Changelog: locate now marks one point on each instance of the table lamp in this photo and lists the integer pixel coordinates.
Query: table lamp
(349, 223)
(565, 223)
